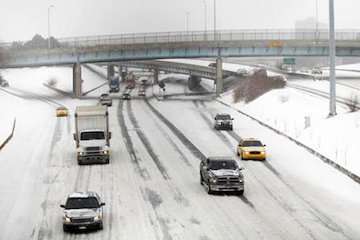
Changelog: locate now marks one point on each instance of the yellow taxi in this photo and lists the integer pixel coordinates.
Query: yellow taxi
(251, 149)
(62, 112)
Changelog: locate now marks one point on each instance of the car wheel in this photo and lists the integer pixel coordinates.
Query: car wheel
(209, 191)
(101, 227)
(66, 228)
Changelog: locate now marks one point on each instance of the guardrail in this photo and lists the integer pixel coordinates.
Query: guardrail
(196, 36)
(2, 145)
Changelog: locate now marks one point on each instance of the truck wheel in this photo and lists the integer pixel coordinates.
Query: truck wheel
(107, 161)
(241, 192)
(237, 153)
(80, 162)
(201, 179)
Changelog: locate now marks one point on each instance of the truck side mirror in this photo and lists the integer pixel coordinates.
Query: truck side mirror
(241, 168)
(102, 204)
(74, 136)
(109, 135)
(232, 118)
(62, 206)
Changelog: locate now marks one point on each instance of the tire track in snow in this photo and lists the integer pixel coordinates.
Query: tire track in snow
(147, 143)
(321, 217)
(193, 149)
(129, 144)
(179, 197)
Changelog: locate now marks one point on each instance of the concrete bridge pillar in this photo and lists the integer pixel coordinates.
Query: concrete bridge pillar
(77, 81)
(120, 72)
(110, 71)
(194, 82)
(156, 76)
(219, 77)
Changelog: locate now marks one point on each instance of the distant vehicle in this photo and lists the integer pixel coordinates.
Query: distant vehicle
(3, 82)
(251, 148)
(144, 81)
(242, 72)
(141, 92)
(126, 96)
(92, 135)
(316, 71)
(221, 174)
(105, 99)
(114, 84)
(223, 122)
(83, 210)
(62, 112)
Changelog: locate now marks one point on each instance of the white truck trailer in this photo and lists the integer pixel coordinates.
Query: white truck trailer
(92, 135)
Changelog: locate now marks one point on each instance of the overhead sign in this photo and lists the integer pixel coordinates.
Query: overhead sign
(289, 61)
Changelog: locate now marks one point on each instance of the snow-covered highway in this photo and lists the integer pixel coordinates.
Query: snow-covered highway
(151, 186)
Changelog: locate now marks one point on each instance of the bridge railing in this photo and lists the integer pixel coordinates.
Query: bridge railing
(195, 36)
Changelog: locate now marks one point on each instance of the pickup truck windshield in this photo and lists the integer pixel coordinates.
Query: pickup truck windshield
(97, 135)
(226, 164)
(78, 203)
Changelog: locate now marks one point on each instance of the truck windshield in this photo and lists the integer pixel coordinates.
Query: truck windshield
(78, 203)
(223, 117)
(226, 164)
(92, 135)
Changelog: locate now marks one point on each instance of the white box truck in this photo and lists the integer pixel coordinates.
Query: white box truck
(92, 135)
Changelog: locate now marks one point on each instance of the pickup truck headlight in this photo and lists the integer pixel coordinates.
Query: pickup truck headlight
(105, 151)
(81, 153)
(97, 217)
(213, 179)
(67, 219)
(241, 180)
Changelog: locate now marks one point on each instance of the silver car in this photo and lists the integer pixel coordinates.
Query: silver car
(83, 210)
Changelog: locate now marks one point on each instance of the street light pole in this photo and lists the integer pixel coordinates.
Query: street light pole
(332, 54)
(49, 44)
(205, 16)
(187, 22)
(214, 20)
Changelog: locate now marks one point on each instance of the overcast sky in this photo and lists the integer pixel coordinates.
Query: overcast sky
(21, 19)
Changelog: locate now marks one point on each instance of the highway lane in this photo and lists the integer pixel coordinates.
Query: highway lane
(152, 190)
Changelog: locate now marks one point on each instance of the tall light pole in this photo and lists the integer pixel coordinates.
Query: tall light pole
(205, 16)
(332, 55)
(214, 20)
(49, 44)
(317, 19)
(187, 21)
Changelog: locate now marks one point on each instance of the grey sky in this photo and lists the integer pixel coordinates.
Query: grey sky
(21, 19)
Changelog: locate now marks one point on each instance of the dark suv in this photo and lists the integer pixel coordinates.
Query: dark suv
(223, 122)
(83, 210)
(221, 174)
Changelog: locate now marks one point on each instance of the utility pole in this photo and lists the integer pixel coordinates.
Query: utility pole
(332, 55)
(214, 20)
(49, 43)
(317, 20)
(205, 16)
(187, 21)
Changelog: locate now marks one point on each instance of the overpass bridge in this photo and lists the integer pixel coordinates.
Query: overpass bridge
(193, 44)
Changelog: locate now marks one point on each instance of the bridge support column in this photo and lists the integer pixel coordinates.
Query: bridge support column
(110, 71)
(219, 77)
(194, 82)
(156, 76)
(77, 81)
(120, 72)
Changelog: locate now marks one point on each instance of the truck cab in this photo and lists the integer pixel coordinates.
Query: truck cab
(223, 122)
(92, 135)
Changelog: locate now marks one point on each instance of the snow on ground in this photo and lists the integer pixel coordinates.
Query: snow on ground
(151, 187)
